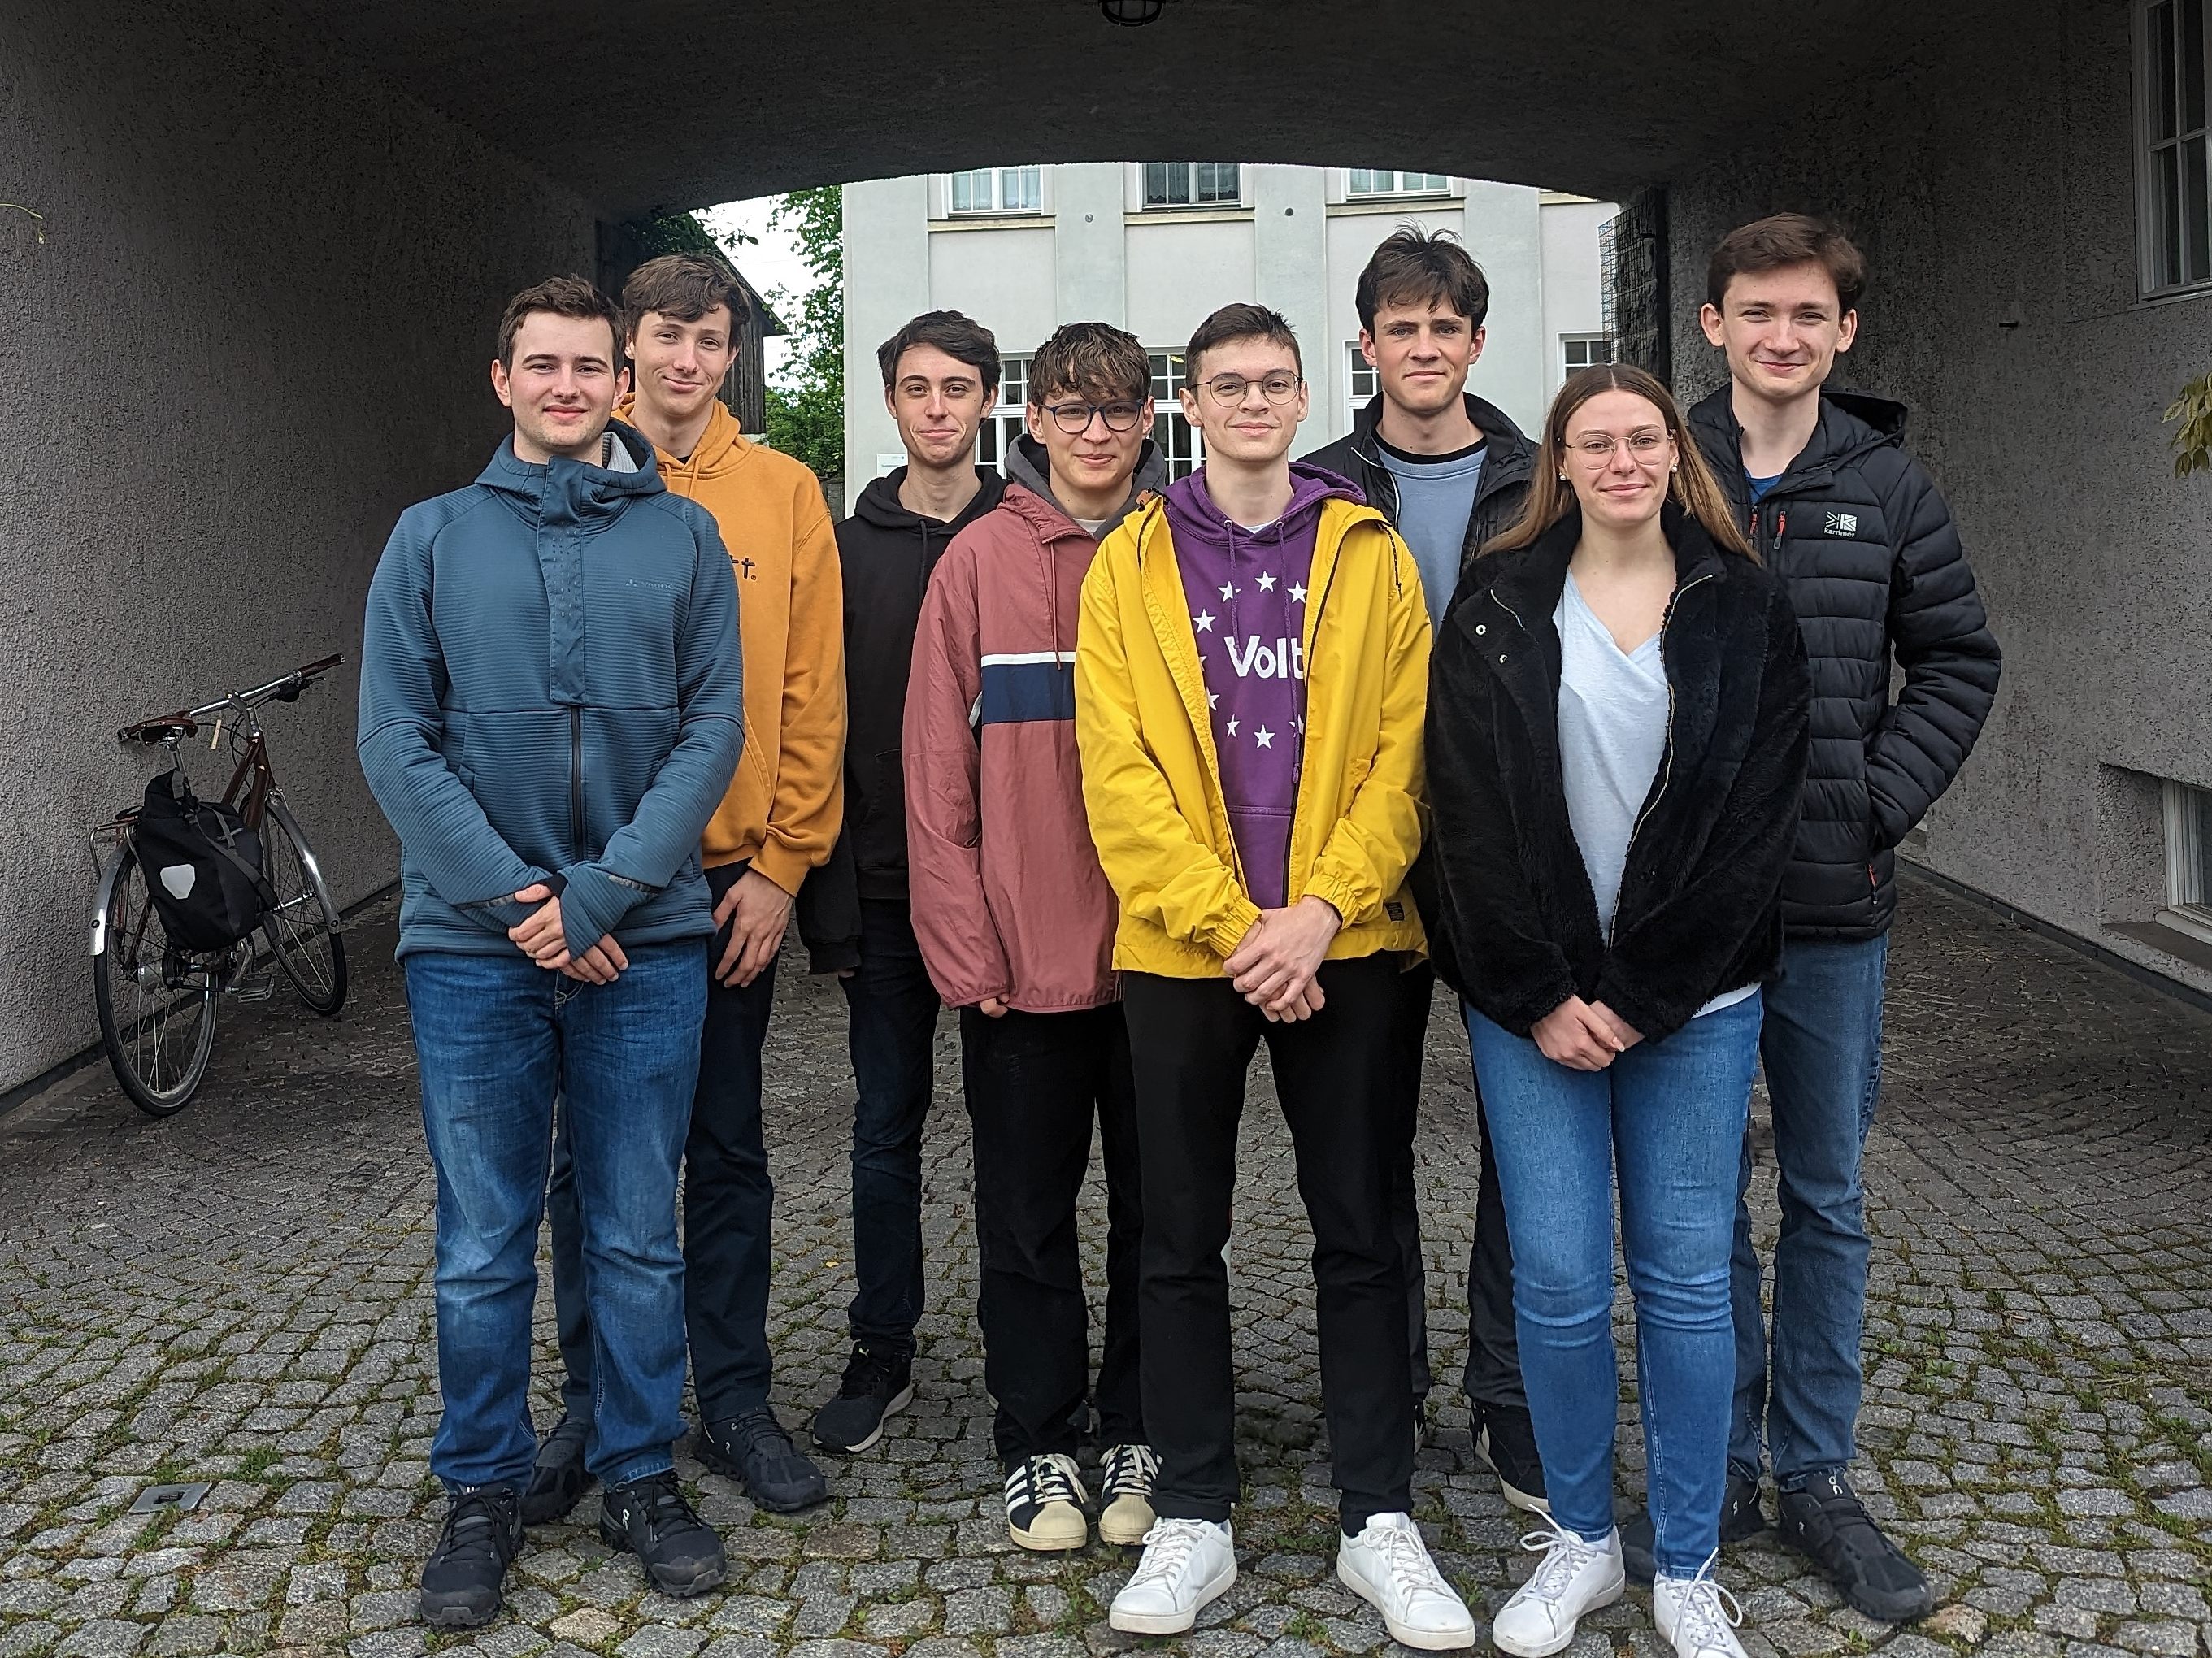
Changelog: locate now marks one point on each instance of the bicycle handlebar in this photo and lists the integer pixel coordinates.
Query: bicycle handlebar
(285, 688)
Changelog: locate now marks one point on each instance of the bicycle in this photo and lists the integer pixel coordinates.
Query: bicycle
(157, 1001)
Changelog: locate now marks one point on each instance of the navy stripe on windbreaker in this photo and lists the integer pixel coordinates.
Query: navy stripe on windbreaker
(1030, 685)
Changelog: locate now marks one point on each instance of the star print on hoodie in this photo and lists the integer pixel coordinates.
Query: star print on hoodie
(1247, 591)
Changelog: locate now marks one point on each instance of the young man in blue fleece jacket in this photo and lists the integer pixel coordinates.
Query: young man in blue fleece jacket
(550, 711)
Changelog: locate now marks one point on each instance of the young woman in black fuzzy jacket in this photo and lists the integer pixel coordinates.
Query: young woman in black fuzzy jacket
(1616, 750)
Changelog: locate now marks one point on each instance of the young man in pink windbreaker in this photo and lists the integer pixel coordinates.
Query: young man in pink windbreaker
(1016, 923)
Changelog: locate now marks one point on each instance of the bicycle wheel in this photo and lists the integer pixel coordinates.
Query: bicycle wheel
(156, 1004)
(303, 929)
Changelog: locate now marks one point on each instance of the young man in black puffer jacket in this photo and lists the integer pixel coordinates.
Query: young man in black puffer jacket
(1843, 514)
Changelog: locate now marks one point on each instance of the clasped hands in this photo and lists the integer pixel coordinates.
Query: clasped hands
(755, 909)
(1583, 1035)
(540, 938)
(1273, 965)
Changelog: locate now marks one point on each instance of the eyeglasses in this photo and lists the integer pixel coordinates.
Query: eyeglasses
(1074, 418)
(1229, 390)
(1645, 446)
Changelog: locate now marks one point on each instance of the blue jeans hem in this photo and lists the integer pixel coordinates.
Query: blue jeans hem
(638, 1467)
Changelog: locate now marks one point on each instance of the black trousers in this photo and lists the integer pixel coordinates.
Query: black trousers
(1493, 1341)
(1416, 989)
(1192, 1042)
(1033, 1082)
(1493, 1349)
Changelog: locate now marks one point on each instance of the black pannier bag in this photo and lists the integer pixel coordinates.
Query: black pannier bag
(203, 865)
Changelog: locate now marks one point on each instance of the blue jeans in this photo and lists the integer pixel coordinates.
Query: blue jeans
(1822, 1048)
(729, 1202)
(892, 1023)
(497, 1038)
(1673, 1114)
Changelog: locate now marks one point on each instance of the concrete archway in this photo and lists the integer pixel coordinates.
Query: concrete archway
(274, 242)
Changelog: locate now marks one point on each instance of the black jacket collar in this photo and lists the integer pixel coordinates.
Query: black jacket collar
(1511, 457)
(1529, 579)
(1852, 424)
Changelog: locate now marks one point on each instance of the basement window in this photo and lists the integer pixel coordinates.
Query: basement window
(2173, 64)
(2188, 861)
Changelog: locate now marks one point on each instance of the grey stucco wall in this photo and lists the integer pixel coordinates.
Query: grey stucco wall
(258, 327)
(1992, 184)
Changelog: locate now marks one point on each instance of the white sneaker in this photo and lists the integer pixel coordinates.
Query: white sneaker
(1125, 1493)
(1696, 1614)
(1573, 1577)
(1044, 1503)
(1186, 1566)
(1387, 1566)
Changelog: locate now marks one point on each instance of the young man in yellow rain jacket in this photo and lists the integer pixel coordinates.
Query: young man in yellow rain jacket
(1251, 671)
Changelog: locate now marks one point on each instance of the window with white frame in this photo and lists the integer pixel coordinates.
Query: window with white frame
(1193, 183)
(1360, 182)
(2188, 861)
(2173, 62)
(1581, 350)
(1180, 442)
(1009, 417)
(997, 190)
(1361, 383)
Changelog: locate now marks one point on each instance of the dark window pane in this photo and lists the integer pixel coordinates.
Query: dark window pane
(2168, 209)
(2196, 201)
(2192, 65)
(2163, 67)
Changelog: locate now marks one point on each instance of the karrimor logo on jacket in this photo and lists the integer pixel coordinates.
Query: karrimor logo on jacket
(1842, 524)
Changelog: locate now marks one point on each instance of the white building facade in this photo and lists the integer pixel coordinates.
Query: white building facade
(1153, 247)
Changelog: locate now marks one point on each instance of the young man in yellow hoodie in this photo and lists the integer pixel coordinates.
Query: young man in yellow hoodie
(777, 821)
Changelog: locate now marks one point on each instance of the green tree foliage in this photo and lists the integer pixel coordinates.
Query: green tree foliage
(2193, 439)
(806, 395)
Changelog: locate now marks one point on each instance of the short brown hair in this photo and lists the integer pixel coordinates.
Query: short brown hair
(1240, 321)
(1091, 359)
(960, 337)
(564, 296)
(1693, 487)
(683, 287)
(1415, 266)
(1783, 239)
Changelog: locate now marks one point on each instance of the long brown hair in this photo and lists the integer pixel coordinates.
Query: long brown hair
(1692, 488)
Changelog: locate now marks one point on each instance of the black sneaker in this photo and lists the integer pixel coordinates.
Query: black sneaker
(557, 1482)
(754, 1449)
(875, 1385)
(650, 1518)
(1740, 1517)
(482, 1536)
(1825, 1522)
(1506, 1440)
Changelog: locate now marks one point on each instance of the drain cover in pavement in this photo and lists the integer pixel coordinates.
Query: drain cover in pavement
(183, 1499)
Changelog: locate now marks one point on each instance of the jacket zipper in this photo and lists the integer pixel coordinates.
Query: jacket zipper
(1667, 772)
(576, 780)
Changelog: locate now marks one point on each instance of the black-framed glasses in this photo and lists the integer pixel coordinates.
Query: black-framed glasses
(1229, 390)
(1075, 418)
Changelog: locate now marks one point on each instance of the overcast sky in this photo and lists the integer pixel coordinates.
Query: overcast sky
(770, 264)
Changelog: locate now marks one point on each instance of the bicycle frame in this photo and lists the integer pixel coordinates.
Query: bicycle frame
(252, 773)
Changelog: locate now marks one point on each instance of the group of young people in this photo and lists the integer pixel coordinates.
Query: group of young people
(1137, 775)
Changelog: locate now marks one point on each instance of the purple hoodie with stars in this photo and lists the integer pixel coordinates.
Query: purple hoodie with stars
(1247, 589)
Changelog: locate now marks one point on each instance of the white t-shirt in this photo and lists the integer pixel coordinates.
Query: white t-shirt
(1612, 734)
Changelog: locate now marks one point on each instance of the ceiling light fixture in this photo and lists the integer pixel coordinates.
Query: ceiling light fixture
(1131, 13)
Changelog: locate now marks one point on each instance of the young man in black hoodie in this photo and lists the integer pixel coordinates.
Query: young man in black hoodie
(1837, 508)
(1449, 471)
(940, 381)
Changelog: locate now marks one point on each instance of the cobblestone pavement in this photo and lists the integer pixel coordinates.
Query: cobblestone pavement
(241, 1295)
